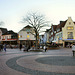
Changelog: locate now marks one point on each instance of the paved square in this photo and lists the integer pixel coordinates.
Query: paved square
(52, 62)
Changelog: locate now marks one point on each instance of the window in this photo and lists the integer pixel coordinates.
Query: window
(70, 28)
(58, 30)
(69, 23)
(70, 35)
(20, 36)
(27, 32)
(0, 33)
(9, 37)
(3, 37)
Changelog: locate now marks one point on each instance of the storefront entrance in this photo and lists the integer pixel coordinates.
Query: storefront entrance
(69, 43)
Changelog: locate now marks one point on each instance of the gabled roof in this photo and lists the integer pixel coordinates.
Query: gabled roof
(27, 26)
(62, 24)
(54, 27)
(9, 32)
(4, 30)
(23, 29)
(47, 30)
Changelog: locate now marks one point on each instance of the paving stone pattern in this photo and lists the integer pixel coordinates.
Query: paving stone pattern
(17, 67)
(57, 62)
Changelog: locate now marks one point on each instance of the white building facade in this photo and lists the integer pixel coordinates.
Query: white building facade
(26, 35)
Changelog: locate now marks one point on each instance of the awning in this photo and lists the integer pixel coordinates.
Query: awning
(69, 40)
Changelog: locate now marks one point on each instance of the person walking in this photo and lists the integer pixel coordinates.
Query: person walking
(45, 48)
(5, 47)
(20, 46)
(1, 47)
(28, 47)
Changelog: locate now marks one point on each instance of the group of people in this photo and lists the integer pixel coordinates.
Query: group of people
(25, 47)
(3, 47)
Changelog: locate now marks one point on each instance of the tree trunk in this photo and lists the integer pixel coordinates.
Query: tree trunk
(36, 41)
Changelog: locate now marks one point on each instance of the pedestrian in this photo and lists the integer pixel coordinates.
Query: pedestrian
(11, 46)
(2, 47)
(5, 47)
(45, 48)
(73, 49)
(20, 46)
(28, 47)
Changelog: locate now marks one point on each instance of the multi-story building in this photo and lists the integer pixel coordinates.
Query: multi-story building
(26, 36)
(52, 32)
(59, 35)
(41, 39)
(68, 32)
(44, 38)
(10, 37)
(2, 31)
(64, 33)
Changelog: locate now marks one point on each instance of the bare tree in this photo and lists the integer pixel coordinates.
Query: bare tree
(37, 22)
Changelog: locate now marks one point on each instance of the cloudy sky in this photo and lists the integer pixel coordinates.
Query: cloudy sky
(12, 11)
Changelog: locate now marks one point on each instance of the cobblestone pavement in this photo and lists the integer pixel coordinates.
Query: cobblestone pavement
(52, 62)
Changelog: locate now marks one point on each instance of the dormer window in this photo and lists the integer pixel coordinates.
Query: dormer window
(69, 23)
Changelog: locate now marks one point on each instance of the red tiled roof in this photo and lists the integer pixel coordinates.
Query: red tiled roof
(62, 24)
(54, 27)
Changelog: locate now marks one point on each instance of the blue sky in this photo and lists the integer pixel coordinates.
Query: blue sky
(12, 11)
